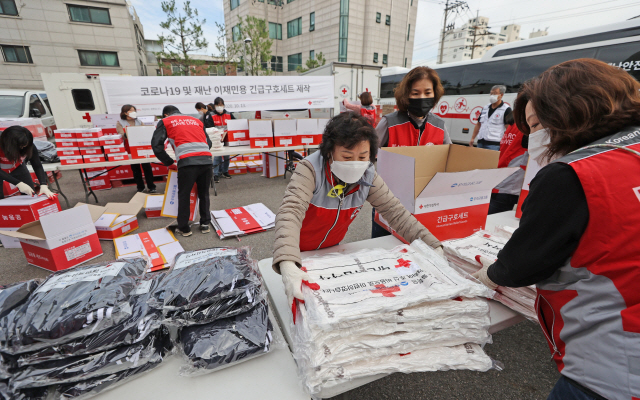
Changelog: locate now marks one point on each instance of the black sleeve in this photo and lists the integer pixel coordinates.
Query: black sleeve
(208, 140)
(5, 176)
(506, 115)
(232, 117)
(157, 144)
(208, 121)
(554, 217)
(36, 163)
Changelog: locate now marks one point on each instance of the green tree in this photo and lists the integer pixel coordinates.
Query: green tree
(258, 52)
(228, 50)
(184, 36)
(318, 61)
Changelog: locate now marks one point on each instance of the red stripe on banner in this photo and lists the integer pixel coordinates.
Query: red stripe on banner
(450, 115)
(151, 249)
(243, 220)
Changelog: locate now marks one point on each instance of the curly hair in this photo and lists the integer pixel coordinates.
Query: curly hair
(348, 129)
(403, 90)
(16, 142)
(579, 102)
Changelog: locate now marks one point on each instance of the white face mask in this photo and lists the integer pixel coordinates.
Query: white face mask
(219, 109)
(493, 98)
(538, 142)
(349, 171)
(200, 112)
(133, 115)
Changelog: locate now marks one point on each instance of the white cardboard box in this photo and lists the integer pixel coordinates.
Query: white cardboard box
(170, 199)
(159, 245)
(285, 132)
(140, 141)
(238, 132)
(308, 131)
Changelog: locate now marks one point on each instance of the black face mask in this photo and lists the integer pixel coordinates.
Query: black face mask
(420, 107)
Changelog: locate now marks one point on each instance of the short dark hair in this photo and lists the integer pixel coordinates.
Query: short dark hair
(579, 102)
(366, 99)
(210, 107)
(348, 129)
(125, 109)
(168, 110)
(16, 142)
(200, 105)
(218, 101)
(403, 90)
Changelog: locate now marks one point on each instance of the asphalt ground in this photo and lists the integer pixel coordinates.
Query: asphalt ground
(528, 370)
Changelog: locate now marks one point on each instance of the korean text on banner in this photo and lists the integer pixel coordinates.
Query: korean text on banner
(170, 202)
(241, 93)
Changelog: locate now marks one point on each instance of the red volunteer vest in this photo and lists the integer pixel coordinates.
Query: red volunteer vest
(589, 309)
(9, 166)
(220, 119)
(512, 154)
(403, 131)
(369, 114)
(187, 136)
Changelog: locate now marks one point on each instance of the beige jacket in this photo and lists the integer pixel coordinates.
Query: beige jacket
(296, 202)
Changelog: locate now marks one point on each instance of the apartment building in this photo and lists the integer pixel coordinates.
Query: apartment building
(87, 36)
(370, 32)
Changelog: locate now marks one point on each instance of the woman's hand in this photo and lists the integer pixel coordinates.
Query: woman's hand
(293, 279)
(482, 274)
(44, 190)
(25, 189)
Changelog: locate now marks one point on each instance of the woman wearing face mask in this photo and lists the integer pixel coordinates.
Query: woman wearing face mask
(129, 117)
(16, 147)
(577, 240)
(218, 117)
(327, 191)
(414, 124)
(202, 111)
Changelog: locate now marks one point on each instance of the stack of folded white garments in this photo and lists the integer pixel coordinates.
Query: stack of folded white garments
(462, 254)
(384, 311)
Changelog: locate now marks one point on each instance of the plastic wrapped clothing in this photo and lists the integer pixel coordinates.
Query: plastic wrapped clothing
(70, 304)
(226, 341)
(8, 363)
(12, 296)
(93, 387)
(207, 285)
(47, 152)
(142, 319)
(27, 394)
(74, 369)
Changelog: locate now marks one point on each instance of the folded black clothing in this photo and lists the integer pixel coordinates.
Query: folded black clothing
(92, 387)
(8, 363)
(226, 341)
(206, 276)
(142, 319)
(79, 368)
(72, 303)
(12, 296)
(27, 394)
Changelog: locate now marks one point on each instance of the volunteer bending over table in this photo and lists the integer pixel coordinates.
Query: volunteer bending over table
(16, 147)
(577, 239)
(326, 192)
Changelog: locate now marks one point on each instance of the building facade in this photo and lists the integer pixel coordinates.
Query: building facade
(538, 33)
(474, 39)
(370, 32)
(86, 36)
(210, 66)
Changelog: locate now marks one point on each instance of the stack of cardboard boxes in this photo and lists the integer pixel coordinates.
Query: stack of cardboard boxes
(88, 145)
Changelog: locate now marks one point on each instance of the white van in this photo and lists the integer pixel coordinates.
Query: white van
(16, 103)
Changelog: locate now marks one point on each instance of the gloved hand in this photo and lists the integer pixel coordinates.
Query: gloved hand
(25, 189)
(173, 166)
(293, 279)
(440, 251)
(44, 190)
(482, 274)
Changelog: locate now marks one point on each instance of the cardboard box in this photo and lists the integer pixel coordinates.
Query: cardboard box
(100, 179)
(238, 132)
(111, 140)
(260, 133)
(34, 125)
(159, 245)
(285, 132)
(121, 173)
(170, 200)
(71, 160)
(91, 133)
(273, 165)
(254, 166)
(159, 170)
(153, 206)
(90, 151)
(20, 210)
(117, 219)
(118, 157)
(237, 168)
(88, 142)
(64, 143)
(94, 158)
(9, 242)
(63, 134)
(446, 187)
(59, 241)
(106, 122)
(69, 151)
(9, 189)
(115, 149)
(252, 157)
(307, 129)
(140, 141)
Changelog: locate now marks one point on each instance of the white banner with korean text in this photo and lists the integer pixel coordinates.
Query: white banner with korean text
(149, 94)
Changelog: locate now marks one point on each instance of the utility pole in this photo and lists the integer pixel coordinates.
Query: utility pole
(450, 6)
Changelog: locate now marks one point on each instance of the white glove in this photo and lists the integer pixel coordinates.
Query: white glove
(293, 278)
(44, 190)
(482, 274)
(25, 189)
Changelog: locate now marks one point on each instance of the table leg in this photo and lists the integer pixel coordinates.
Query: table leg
(213, 182)
(87, 187)
(58, 190)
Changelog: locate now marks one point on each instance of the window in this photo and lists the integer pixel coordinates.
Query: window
(294, 61)
(11, 106)
(139, 38)
(451, 78)
(44, 98)
(622, 55)
(378, 17)
(289, 1)
(375, 57)
(409, 32)
(90, 58)
(217, 70)
(312, 22)
(36, 107)
(8, 7)
(411, 3)
(235, 33)
(89, 14)
(312, 54)
(276, 64)
(16, 54)
(343, 36)
(384, 58)
(481, 77)
(275, 31)
(531, 67)
(388, 20)
(83, 99)
(294, 28)
(234, 4)
(175, 69)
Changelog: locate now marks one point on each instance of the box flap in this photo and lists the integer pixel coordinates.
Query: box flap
(464, 158)
(32, 230)
(124, 208)
(429, 160)
(238, 124)
(140, 135)
(154, 201)
(22, 200)
(106, 220)
(95, 211)
(452, 183)
(57, 224)
(398, 172)
(139, 198)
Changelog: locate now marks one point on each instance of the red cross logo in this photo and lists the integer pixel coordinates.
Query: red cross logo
(421, 206)
(310, 102)
(386, 291)
(87, 117)
(344, 90)
(403, 251)
(286, 115)
(403, 263)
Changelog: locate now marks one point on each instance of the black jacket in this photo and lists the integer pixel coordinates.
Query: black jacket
(157, 144)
